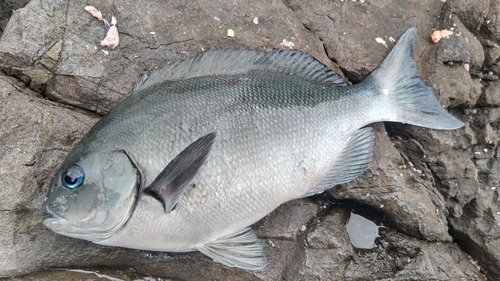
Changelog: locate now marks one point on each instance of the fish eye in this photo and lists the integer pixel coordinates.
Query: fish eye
(72, 177)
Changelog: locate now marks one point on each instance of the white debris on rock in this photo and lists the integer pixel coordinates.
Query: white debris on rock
(381, 41)
(287, 44)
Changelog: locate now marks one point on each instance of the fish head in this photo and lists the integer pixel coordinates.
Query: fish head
(93, 197)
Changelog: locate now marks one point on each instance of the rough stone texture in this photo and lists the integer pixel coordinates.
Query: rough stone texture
(404, 192)
(430, 187)
(6, 9)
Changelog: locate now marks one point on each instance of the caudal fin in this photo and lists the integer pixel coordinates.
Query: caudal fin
(411, 100)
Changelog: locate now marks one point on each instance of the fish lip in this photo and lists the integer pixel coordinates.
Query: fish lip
(51, 214)
(50, 221)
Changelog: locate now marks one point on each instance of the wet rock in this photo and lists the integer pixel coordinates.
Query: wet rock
(404, 192)
(465, 179)
(430, 187)
(396, 256)
(402, 258)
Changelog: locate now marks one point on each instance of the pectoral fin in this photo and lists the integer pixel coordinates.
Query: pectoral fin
(178, 174)
(242, 249)
(354, 158)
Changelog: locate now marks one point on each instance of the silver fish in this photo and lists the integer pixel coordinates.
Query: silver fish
(208, 146)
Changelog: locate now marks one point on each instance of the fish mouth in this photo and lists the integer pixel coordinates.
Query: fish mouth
(49, 214)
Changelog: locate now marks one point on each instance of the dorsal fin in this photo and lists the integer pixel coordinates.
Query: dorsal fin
(234, 61)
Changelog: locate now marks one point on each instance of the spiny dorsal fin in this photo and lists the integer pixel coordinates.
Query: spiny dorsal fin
(242, 249)
(354, 158)
(234, 61)
(178, 174)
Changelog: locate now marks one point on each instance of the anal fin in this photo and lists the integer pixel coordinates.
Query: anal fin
(242, 249)
(354, 158)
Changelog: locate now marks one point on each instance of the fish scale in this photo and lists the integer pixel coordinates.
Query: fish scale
(208, 146)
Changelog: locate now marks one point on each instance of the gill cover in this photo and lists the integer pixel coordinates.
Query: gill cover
(94, 197)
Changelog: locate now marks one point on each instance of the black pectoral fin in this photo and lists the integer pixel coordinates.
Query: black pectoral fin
(178, 174)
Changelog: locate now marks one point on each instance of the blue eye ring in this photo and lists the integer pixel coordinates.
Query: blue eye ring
(72, 177)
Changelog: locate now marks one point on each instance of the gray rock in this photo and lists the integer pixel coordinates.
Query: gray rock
(6, 9)
(491, 95)
(430, 187)
(471, 12)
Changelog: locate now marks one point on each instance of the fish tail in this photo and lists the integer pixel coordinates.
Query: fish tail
(410, 100)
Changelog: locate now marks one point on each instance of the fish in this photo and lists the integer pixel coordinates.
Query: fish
(207, 146)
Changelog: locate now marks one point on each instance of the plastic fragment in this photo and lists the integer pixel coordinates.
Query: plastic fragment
(230, 33)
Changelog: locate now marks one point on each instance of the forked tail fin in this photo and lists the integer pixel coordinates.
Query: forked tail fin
(410, 99)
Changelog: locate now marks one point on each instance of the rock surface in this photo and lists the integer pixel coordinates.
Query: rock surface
(436, 191)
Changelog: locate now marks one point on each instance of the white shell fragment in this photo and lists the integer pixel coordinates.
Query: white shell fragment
(112, 38)
(380, 41)
(256, 20)
(94, 12)
(287, 44)
(230, 33)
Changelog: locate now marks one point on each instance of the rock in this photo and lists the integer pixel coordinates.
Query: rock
(6, 9)
(444, 70)
(404, 194)
(491, 29)
(430, 187)
(461, 47)
(471, 12)
(337, 31)
(491, 95)
(465, 179)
